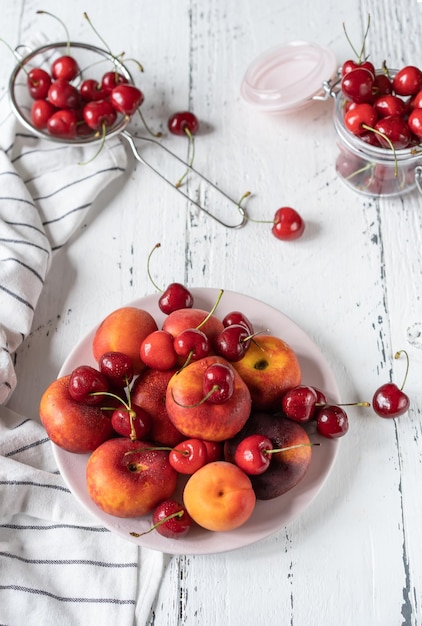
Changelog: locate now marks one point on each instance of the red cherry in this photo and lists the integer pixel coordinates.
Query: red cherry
(133, 422)
(65, 67)
(126, 98)
(389, 105)
(390, 401)
(350, 65)
(251, 454)
(171, 520)
(99, 115)
(382, 85)
(332, 421)
(357, 85)
(111, 79)
(192, 344)
(64, 95)
(179, 122)
(63, 123)
(232, 342)
(215, 450)
(299, 403)
(218, 383)
(91, 90)
(359, 117)
(41, 111)
(118, 368)
(395, 129)
(407, 81)
(84, 381)
(188, 456)
(288, 224)
(175, 297)
(38, 81)
(237, 317)
(157, 350)
(415, 122)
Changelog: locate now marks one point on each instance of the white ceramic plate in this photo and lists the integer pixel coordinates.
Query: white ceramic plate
(269, 516)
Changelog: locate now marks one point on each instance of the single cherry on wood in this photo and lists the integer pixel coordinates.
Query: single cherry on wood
(288, 224)
(389, 400)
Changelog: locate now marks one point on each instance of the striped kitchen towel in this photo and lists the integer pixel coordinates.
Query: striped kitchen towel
(57, 566)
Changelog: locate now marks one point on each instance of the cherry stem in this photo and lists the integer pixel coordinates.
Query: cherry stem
(157, 245)
(362, 50)
(204, 399)
(64, 26)
(205, 320)
(15, 54)
(103, 139)
(147, 128)
(98, 34)
(298, 445)
(320, 404)
(163, 521)
(191, 155)
(388, 140)
(397, 356)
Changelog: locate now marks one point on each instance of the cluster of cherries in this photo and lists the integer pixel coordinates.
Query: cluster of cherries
(383, 110)
(90, 108)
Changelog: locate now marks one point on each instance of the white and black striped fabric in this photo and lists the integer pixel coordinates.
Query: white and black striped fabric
(56, 565)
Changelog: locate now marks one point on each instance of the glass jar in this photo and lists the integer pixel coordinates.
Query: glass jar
(373, 170)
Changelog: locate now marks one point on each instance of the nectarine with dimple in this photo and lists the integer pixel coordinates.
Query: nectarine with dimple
(129, 478)
(219, 496)
(270, 367)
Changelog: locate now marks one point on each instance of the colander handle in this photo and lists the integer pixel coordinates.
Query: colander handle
(131, 141)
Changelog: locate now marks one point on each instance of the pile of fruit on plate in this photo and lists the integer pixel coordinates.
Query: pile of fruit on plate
(194, 419)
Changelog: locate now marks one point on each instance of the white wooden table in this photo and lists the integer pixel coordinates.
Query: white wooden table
(353, 282)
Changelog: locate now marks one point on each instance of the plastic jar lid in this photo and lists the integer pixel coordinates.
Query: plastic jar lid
(286, 78)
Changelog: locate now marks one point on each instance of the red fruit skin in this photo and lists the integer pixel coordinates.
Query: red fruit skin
(173, 528)
(389, 105)
(389, 401)
(175, 297)
(250, 454)
(137, 428)
(148, 392)
(357, 85)
(332, 422)
(396, 129)
(288, 224)
(90, 90)
(179, 122)
(65, 67)
(98, 114)
(64, 95)
(38, 81)
(415, 122)
(112, 79)
(360, 116)
(41, 111)
(126, 98)
(188, 456)
(73, 426)
(407, 81)
(298, 404)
